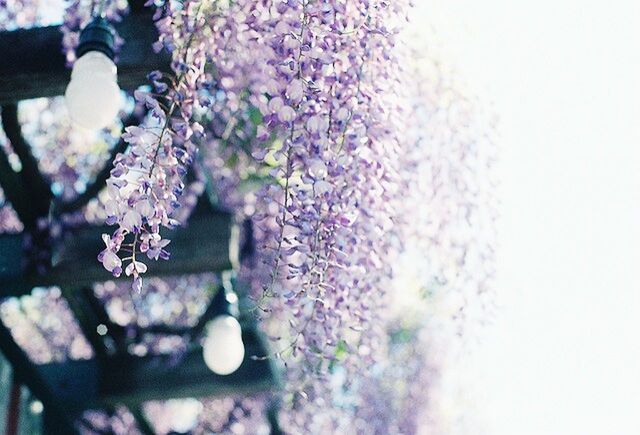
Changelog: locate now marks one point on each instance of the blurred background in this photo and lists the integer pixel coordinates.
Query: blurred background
(561, 355)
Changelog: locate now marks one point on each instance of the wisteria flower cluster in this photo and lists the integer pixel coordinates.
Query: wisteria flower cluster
(351, 180)
(146, 181)
(325, 80)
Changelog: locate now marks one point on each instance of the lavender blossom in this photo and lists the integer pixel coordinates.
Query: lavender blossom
(147, 180)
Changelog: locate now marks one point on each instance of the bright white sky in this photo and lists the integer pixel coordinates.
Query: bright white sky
(564, 355)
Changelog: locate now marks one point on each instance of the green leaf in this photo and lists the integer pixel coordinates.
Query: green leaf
(255, 116)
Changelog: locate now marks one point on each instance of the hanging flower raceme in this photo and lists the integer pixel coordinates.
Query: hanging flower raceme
(146, 181)
(324, 77)
(335, 68)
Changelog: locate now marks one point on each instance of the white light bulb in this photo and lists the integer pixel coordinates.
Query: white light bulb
(93, 96)
(223, 349)
(184, 414)
(37, 407)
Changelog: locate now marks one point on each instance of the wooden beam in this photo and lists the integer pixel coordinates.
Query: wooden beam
(90, 314)
(34, 66)
(273, 412)
(131, 381)
(156, 378)
(34, 179)
(116, 338)
(143, 424)
(29, 374)
(13, 408)
(207, 243)
(15, 192)
(87, 321)
(36, 185)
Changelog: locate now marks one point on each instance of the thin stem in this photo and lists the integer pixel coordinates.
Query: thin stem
(177, 86)
(358, 92)
(169, 114)
(267, 292)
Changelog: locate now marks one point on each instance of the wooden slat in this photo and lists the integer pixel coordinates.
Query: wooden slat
(206, 244)
(11, 258)
(33, 64)
(86, 320)
(131, 380)
(36, 186)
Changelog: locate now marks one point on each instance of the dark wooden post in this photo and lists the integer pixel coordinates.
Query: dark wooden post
(13, 410)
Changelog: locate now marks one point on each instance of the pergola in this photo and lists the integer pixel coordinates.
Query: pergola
(33, 66)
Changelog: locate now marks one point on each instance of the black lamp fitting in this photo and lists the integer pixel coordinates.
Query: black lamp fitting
(221, 300)
(98, 35)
